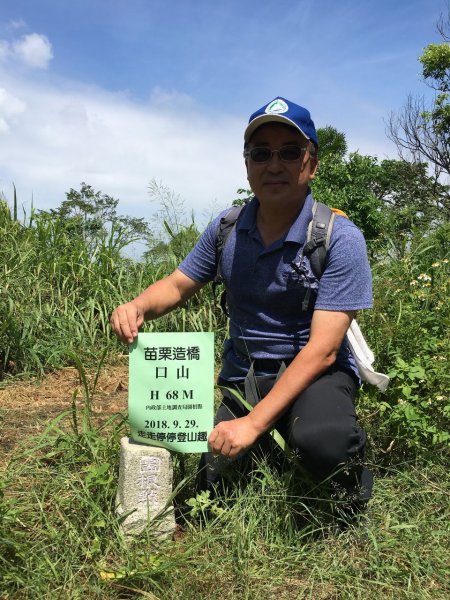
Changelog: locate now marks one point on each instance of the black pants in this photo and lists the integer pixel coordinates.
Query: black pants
(320, 426)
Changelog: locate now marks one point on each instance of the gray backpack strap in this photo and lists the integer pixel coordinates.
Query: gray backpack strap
(226, 225)
(318, 237)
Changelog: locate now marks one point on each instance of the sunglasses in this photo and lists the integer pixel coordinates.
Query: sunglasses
(262, 154)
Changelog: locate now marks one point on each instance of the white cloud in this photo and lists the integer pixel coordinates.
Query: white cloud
(162, 97)
(5, 50)
(55, 134)
(66, 135)
(4, 127)
(10, 107)
(16, 24)
(34, 50)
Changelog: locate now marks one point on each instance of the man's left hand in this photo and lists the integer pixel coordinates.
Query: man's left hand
(229, 438)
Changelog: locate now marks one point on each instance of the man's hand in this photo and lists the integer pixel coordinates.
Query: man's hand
(126, 320)
(157, 300)
(229, 438)
(328, 329)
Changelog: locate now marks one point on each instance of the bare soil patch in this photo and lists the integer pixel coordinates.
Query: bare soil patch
(26, 407)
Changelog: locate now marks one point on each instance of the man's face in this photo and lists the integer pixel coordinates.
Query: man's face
(276, 180)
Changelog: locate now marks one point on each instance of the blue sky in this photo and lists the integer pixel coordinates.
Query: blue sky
(118, 93)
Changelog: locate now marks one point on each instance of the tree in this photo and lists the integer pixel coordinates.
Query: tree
(411, 198)
(173, 236)
(387, 199)
(422, 129)
(348, 184)
(92, 216)
(331, 142)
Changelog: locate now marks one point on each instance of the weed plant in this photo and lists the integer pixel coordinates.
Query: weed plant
(409, 332)
(57, 290)
(59, 534)
(275, 538)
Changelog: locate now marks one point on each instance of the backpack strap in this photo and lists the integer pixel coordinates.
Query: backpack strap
(226, 225)
(316, 246)
(318, 237)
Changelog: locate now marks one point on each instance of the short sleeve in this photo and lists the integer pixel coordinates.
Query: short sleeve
(346, 283)
(201, 263)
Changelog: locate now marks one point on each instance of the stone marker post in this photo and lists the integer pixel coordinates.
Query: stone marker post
(145, 485)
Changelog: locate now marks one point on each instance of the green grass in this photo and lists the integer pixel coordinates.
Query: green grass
(58, 288)
(60, 536)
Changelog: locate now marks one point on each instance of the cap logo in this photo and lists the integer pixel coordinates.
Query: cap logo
(277, 107)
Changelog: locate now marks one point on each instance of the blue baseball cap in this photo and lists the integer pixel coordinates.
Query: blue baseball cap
(280, 110)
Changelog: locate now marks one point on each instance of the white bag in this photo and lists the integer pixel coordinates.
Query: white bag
(364, 358)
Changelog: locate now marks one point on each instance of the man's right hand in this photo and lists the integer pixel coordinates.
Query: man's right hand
(157, 300)
(126, 320)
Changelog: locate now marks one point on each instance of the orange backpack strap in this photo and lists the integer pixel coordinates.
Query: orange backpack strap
(341, 213)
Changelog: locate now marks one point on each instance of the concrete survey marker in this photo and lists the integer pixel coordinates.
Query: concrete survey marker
(145, 486)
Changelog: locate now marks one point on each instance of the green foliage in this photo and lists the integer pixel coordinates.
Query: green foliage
(61, 277)
(422, 421)
(173, 236)
(408, 331)
(388, 197)
(348, 184)
(92, 216)
(436, 72)
(272, 539)
(244, 196)
(331, 142)
(171, 252)
(411, 198)
(60, 260)
(10, 543)
(56, 292)
(60, 513)
(436, 65)
(59, 533)
(202, 505)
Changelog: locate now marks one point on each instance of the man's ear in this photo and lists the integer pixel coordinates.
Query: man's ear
(314, 165)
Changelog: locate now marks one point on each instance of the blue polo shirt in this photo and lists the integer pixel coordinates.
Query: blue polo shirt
(270, 301)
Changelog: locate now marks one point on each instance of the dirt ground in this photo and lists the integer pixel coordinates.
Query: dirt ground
(27, 406)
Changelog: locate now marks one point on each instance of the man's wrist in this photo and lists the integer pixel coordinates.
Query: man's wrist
(139, 306)
(258, 424)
